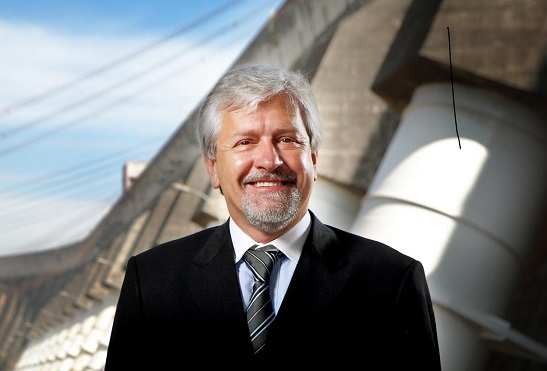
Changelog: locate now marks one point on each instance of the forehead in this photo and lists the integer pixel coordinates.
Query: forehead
(278, 106)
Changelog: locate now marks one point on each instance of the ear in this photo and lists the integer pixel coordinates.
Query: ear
(211, 166)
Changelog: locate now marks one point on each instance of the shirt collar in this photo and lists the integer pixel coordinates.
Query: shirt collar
(290, 244)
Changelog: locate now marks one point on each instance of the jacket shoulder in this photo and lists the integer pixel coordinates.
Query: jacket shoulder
(187, 245)
(373, 250)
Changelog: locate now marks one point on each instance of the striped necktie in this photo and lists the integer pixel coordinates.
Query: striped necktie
(260, 312)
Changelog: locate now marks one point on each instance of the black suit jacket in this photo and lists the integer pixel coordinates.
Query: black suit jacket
(351, 302)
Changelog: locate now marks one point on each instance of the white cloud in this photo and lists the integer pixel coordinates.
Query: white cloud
(167, 87)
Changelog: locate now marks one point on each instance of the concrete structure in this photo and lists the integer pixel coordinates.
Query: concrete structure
(440, 201)
(390, 168)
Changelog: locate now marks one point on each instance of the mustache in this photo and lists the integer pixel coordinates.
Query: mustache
(278, 176)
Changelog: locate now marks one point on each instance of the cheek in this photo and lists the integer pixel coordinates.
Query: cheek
(241, 162)
(233, 168)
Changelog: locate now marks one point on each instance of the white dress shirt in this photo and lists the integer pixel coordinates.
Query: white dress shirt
(290, 244)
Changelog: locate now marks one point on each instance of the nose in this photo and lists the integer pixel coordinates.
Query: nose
(267, 156)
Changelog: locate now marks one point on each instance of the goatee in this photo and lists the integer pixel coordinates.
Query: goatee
(274, 211)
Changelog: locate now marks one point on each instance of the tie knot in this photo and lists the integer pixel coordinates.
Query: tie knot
(261, 260)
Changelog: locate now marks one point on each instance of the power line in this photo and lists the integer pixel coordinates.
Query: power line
(104, 68)
(75, 180)
(41, 209)
(63, 178)
(129, 79)
(118, 102)
(66, 178)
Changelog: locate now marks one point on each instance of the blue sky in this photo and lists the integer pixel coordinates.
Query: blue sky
(89, 85)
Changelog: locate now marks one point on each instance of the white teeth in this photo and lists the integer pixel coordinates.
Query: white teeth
(266, 184)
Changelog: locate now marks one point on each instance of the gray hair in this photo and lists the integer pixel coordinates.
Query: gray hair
(243, 88)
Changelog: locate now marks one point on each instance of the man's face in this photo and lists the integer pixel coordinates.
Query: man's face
(264, 167)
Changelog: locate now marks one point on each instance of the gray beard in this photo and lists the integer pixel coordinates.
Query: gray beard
(274, 218)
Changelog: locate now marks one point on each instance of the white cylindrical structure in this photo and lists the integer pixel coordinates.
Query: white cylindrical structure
(470, 215)
(334, 204)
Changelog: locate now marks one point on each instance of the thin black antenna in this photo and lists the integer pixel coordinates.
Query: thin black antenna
(452, 80)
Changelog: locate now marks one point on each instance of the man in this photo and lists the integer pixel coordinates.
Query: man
(335, 298)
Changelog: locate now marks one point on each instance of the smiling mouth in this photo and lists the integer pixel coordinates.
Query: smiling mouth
(268, 184)
(265, 180)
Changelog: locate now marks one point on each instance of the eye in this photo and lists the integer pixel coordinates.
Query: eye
(289, 142)
(244, 142)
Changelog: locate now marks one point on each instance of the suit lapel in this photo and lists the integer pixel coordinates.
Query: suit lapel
(216, 287)
(321, 273)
